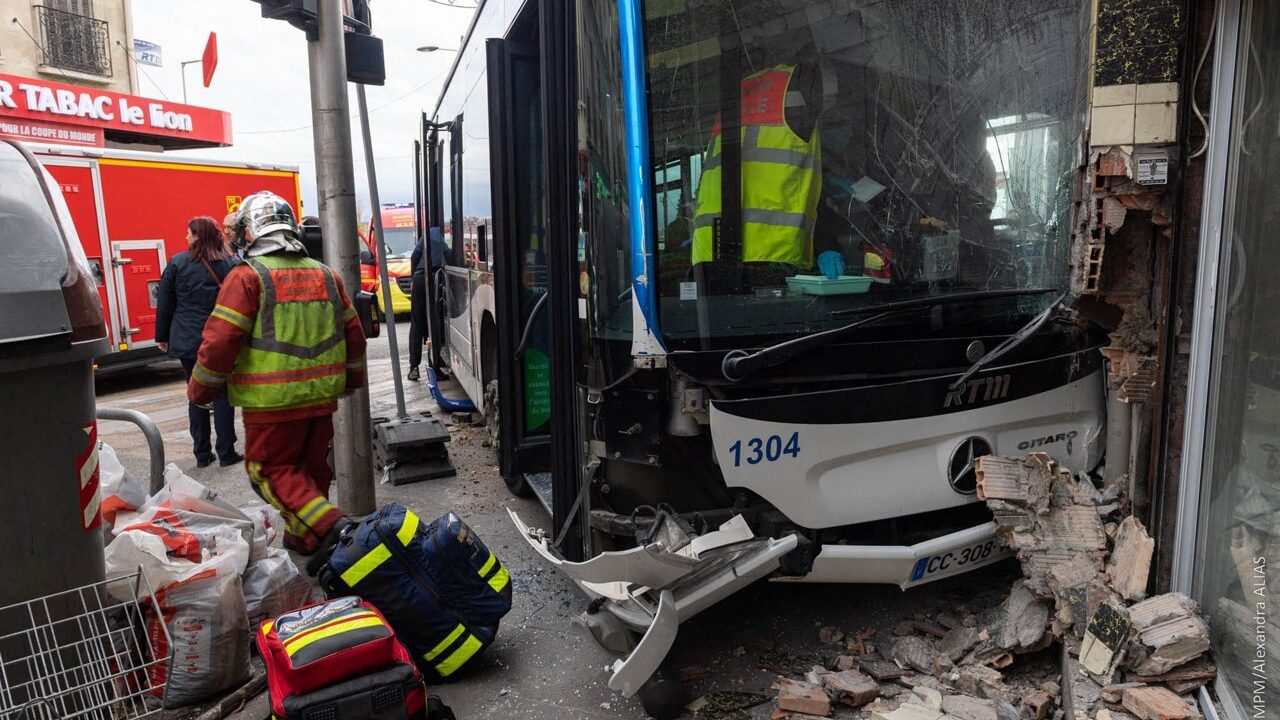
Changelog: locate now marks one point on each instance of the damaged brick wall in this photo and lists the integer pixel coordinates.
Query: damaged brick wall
(1127, 261)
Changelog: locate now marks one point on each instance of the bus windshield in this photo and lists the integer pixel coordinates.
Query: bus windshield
(810, 157)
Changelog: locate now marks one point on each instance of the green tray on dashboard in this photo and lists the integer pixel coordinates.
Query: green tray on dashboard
(821, 285)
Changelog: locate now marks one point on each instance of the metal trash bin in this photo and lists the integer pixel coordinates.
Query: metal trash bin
(51, 327)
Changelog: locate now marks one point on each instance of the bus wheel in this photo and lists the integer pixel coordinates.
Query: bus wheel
(492, 418)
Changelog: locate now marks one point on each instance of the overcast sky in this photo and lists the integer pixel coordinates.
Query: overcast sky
(262, 81)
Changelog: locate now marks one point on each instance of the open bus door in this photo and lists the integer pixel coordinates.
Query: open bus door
(521, 286)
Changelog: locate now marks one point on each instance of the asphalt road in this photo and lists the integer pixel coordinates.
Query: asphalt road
(540, 668)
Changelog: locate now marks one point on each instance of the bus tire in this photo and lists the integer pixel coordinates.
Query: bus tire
(492, 418)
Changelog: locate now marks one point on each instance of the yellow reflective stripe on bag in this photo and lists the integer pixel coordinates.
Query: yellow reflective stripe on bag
(444, 644)
(346, 625)
(365, 565)
(407, 528)
(497, 580)
(450, 665)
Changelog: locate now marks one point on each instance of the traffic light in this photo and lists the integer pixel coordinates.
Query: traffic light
(365, 60)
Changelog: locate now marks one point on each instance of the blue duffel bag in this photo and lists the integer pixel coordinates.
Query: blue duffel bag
(437, 584)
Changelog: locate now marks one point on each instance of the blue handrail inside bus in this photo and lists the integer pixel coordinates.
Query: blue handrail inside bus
(447, 404)
(646, 340)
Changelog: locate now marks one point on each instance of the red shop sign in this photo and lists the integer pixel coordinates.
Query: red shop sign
(25, 98)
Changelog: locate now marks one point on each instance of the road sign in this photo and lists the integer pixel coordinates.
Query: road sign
(209, 60)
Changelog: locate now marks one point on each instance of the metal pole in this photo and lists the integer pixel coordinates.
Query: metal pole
(335, 185)
(392, 340)
(155, 441)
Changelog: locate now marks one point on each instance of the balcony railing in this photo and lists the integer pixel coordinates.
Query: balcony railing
(74, 42)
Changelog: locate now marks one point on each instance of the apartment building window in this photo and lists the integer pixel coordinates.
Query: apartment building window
(71, 38)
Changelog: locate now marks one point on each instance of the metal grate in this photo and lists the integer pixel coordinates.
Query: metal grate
(73, 41)
(405, 284)
(84, 653)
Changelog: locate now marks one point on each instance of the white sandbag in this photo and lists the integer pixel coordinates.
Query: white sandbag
(225, 551)
(274, 586)
(208, 634)
(121, 491)
(267, 524)
(181, 492)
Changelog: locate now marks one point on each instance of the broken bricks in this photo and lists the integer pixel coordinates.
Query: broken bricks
(914, 652)
(803, 697)
(852, 687)
(1157, 703)
(1170, 633)
(1130, 562)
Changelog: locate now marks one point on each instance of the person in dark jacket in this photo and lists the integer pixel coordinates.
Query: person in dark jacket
(188, 291)
(440, 257)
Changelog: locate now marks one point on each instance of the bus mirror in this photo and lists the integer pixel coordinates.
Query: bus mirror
(364, 310)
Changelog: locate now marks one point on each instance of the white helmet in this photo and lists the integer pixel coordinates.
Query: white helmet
(264, 213)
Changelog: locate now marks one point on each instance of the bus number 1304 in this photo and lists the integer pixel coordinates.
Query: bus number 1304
(771, 449)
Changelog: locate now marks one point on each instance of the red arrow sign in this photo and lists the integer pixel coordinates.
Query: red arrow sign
(209, 61)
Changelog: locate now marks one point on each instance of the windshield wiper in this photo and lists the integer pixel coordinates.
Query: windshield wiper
(1013, 341)
(942, 300)
(738, 364)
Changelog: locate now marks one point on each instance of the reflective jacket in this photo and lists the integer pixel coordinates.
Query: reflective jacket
(282, 338)
(781, 180)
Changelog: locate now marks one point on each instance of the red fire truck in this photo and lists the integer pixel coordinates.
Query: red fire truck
(131, 211)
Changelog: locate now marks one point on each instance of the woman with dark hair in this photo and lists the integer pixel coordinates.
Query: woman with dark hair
(188, 291)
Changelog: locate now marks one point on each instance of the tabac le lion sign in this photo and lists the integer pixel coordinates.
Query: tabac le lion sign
(34, 99)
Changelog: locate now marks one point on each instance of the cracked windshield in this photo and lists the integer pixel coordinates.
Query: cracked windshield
(808, 161)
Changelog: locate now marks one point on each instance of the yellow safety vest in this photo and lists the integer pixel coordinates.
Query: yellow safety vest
(781, 179)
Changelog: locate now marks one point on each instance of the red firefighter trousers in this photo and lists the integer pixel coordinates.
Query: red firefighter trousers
(288, 464)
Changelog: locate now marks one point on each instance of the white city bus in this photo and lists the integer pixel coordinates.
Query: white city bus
(696, 418)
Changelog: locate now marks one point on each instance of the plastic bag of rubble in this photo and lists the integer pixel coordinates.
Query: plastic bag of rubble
(207, 633)
(199, 509)
(267, 523)
(166, 553)
(272, 587)
(121, 491)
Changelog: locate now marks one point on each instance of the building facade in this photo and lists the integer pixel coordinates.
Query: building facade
(77, 42)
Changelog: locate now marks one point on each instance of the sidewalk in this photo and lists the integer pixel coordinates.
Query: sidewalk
(540, 668)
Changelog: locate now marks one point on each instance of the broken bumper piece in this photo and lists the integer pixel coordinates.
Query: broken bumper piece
(651, 590)
(907, 565)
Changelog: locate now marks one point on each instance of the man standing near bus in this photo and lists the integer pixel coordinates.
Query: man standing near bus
(284, 343)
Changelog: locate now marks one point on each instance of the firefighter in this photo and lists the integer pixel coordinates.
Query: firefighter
(780, 174)
(284, 343)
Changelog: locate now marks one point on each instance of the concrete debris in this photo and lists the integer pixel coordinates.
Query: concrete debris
(844, 662)
(830, 635)
(963, 707)
(1185, 678)
(803, 697)
(1039, 704)
(881, 670)
(926, 696)
(914, 652)
(907, 711)
(929, 627)
(1170, 633)
(1105, 639)
(1155, 703)
(1130, 562)
(1114, 694)
(852, 687)
(957, 642)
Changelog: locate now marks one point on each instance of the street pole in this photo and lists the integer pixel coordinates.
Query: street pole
(370, 168)
(335, 185)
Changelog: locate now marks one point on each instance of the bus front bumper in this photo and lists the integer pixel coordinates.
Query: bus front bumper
(650, 590)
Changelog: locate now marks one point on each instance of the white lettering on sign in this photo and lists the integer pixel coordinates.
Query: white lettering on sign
(6, 95)
(131, 114)
(162, 118)
(62, 102)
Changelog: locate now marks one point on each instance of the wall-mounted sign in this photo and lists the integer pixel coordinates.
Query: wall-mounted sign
(53, 133)
(24, 98)
(147, 53)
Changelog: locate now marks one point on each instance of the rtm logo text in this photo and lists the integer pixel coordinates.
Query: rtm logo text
(978, 390)
(1048, 440)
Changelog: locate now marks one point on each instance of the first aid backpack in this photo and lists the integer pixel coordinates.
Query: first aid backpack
(339, 659)
(437, 584)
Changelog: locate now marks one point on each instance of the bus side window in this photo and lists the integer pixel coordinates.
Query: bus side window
(482, 241)
(455, 195)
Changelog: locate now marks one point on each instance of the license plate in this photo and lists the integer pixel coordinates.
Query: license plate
(959, 560)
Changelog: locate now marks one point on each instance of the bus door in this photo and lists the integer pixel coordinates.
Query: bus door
(520, 262)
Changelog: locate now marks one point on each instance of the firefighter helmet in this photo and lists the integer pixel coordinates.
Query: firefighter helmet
(262, 214)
